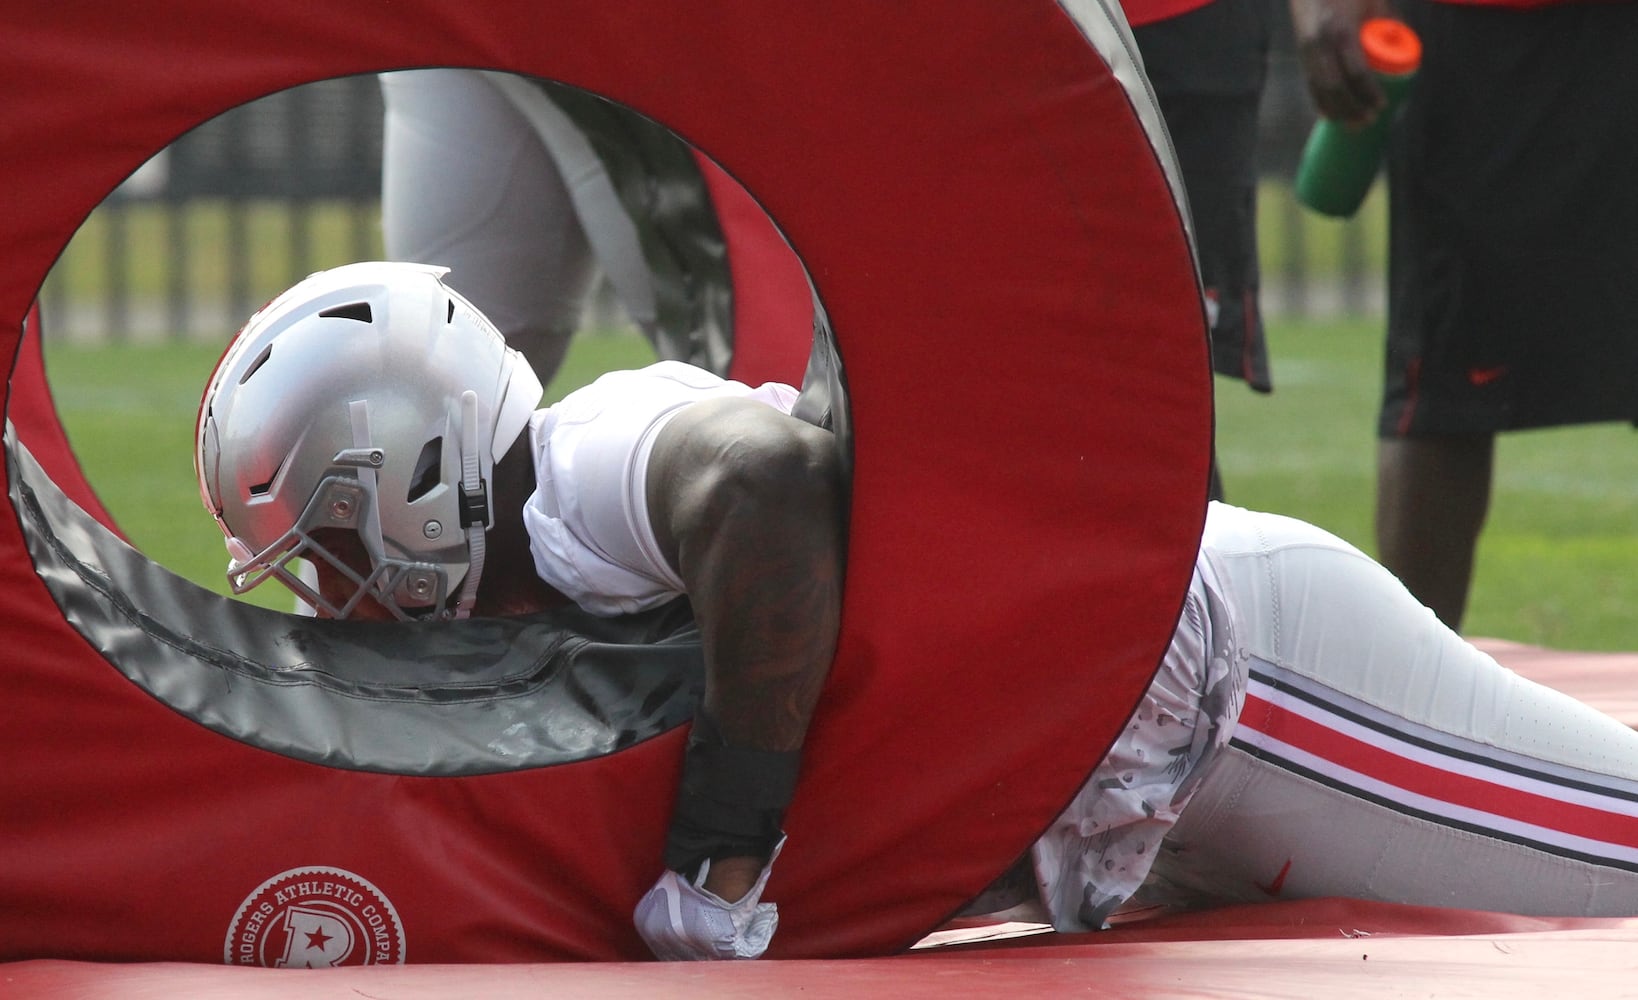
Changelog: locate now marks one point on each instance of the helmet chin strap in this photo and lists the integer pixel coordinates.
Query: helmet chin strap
(475, 515)
(366, 458)
(358, 411)
(473, 493)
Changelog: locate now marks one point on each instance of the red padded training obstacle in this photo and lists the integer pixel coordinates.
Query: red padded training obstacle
(975, 197)
(773, 306)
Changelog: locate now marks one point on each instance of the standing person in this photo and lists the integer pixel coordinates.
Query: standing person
(1513, 242)
(1207, 61)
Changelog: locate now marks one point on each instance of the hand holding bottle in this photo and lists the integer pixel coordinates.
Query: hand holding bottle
(1344, 151)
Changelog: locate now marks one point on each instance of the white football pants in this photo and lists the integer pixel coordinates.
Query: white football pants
(1381, 757)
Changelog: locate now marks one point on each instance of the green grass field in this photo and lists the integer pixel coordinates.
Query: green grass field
(1555, 566)
(1556, 563)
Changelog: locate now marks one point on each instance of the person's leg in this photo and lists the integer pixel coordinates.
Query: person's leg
(1432, 495)
(1214, 136)
(1501, 318)
(466, 183)
(1207, 68)
(1381, 757)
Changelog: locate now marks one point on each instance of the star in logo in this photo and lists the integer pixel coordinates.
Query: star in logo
(317, 939)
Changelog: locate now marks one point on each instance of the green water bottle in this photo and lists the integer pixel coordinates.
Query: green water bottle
(1339, 162)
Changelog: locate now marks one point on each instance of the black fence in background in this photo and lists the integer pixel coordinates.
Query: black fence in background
(310, 145)
(314, 152)
(299, 153)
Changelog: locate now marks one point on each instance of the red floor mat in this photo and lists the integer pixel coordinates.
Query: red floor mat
(1318, 948)
(1298, 949)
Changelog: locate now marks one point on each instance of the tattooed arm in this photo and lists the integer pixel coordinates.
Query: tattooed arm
(746, 504)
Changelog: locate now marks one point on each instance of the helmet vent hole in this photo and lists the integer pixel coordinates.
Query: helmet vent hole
(359, 311)
(255, 366)
(428, 470)
(449, 316)
(262, 489)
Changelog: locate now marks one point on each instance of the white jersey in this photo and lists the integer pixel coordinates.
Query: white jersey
(587, 520)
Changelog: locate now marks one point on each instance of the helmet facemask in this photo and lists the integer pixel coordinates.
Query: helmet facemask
(340, 504)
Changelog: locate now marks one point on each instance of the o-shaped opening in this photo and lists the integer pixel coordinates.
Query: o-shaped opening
(546, 201)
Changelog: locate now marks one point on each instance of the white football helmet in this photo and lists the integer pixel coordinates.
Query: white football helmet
(372, 398)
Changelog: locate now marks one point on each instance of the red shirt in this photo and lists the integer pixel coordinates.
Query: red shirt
(1141, 12)
(1517, 4)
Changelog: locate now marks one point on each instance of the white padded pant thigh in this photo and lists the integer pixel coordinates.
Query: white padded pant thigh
(1379, 756)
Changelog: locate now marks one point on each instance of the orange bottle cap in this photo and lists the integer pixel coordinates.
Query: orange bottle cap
(1390, 46)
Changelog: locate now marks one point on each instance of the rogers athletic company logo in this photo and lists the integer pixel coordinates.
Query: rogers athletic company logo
(315, 918)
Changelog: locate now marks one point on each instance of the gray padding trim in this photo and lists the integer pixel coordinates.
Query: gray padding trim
(1103, 23)
(608, 228)
(647, 212)
(823, 400)
(455, 698)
